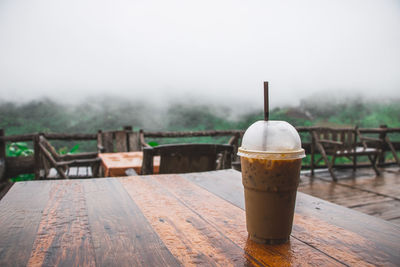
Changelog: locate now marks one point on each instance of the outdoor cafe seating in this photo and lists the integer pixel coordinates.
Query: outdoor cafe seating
(183, 158)
(63, 163)
(190, 215)
(344, 143)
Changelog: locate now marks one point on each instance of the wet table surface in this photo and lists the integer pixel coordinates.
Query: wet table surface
(115, 164)
(176, 220)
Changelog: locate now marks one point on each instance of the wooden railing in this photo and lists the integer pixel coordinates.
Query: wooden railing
(13, 166)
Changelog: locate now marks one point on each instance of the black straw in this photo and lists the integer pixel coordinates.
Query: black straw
(266, 104)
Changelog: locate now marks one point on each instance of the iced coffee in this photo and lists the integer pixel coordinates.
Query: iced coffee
(270, 175)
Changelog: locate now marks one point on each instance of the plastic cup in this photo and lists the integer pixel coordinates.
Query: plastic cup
(271, 156)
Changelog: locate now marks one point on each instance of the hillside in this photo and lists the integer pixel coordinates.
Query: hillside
(49, 116)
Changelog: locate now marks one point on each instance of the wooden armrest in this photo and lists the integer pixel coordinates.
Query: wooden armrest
(233, 139)
(365, 138)
(86, 155)
(141, 138)
(330, 142)
(78, 162)
(144, 144)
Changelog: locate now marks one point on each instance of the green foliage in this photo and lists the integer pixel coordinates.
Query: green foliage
(16, 150)
(111, 114)
(23, 177)
(153, 143)
(64, 150)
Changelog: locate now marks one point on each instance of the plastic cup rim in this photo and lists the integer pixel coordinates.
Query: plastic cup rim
(296, 154)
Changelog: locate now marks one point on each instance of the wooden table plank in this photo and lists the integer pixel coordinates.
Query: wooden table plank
(231, 222)
(387, 210)
(21, 211)
(121, 234)
(63, 237)
(379, 242)
(329, 227)
(172, 220)
(191, 239)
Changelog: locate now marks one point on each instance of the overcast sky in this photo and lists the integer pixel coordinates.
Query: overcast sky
(208, 49)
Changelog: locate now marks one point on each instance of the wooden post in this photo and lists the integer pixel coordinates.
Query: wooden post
(2, 145)
(99, 139)
(234, 141)
(36, 151)
(382, 136)
(147, 164)
(2, 156)
(354, 142)
(312, 152)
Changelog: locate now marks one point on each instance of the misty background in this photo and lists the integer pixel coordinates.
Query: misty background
(133, 62)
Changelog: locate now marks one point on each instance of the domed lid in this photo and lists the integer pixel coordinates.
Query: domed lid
(276, 139)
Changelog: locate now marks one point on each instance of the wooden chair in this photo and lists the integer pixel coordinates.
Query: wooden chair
(63, 163)
(183, 158)
(234, 141)
(394, 152)
(343, 143)
(389, 144)
(120, 141)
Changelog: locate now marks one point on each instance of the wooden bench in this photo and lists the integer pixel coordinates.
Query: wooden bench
(344, 143)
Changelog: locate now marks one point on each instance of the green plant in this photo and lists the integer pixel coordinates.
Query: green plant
(23, 177)
(20, 149)
(64, 150)
(153, 143)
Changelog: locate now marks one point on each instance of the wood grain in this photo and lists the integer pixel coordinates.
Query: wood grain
(116, 164)
(179, 220)
(378, 196)
(387, 210)
(21, 211)
(191, 239)
(387, 184)
(121, 234)
(340, 194)
(330, 228)
(63, 237)
(230, 221)
(121, 140)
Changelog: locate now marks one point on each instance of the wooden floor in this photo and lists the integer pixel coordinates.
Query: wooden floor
(363, 191)
(73, 172)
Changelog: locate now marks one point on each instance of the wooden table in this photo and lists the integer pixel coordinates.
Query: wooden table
(171, 220)
(115, 164)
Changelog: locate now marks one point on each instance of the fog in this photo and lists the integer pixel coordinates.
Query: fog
(213, 51)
